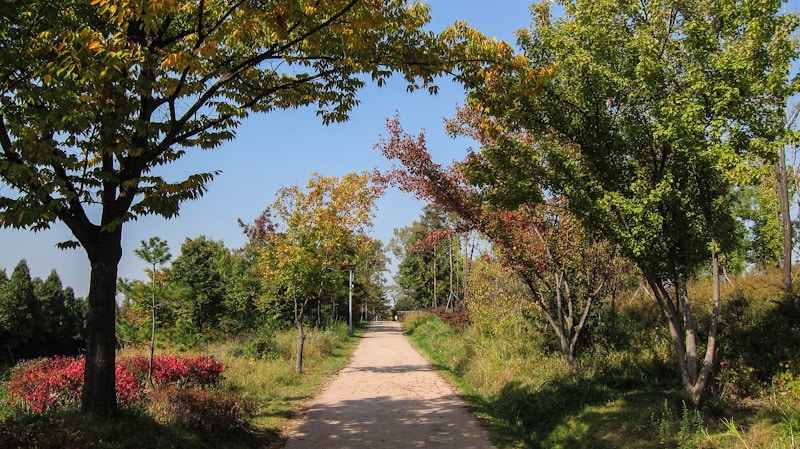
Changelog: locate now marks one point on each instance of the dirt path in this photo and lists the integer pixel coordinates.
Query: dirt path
(388, 397)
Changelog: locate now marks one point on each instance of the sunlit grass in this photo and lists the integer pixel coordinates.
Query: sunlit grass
(527, 398)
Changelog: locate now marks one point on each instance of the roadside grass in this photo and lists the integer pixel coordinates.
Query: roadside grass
(526, 398)
(266, 385)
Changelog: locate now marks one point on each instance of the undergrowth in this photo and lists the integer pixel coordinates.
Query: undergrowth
(246, 408)
(625, 394)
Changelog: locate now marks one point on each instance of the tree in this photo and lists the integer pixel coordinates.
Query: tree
(758, 208)
(154, 252)
(653, 113)
(242, 287)
(565, 269)
(56, 327)
(370, 277)
(496, 295)
(95, 97)
(424, 250)
(197, 275)
(318, 232)
(17, 310)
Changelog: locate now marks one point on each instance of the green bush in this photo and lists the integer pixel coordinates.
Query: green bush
(261, 344)
(413, 320)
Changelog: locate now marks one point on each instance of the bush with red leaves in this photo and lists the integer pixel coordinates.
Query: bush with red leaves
(458, 318)
(41, 384)
(173, 370)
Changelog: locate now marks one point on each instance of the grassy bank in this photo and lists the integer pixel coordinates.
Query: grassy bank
(526, 397)
(258, 379)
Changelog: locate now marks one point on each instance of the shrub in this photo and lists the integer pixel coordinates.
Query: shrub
(173, 370)
(735, 381)
(261, 345)
(41, 384)
(414, 320)
(137, 366)
(458, 318)
(200, 409)
(204, 370)
(786, 384)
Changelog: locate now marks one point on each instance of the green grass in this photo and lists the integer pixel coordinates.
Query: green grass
(526, 398)
(268, 385)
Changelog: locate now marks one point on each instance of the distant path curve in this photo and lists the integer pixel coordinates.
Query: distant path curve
(387, 397)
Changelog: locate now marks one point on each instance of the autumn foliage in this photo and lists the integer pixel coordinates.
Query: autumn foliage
(173, 370)
(42, 384)
(566, 271)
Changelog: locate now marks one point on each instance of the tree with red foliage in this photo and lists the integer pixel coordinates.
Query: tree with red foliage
(565, 269)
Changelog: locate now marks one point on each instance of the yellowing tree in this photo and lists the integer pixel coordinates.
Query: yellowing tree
(318, 232)
(96, 96)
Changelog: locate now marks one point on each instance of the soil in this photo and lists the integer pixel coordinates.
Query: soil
(389, 396)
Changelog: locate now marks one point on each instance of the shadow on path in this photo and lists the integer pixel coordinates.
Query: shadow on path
(388, 423)
(388, 397)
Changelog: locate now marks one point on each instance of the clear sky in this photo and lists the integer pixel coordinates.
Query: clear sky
(283, 149)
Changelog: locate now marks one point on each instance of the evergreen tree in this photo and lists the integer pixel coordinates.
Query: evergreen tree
(17, 308)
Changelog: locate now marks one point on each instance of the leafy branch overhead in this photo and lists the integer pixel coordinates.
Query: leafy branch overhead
(98, 96)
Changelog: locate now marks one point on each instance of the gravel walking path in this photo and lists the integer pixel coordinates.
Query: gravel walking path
(387, 397)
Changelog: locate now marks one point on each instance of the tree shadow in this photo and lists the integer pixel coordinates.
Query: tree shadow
(129, 429)
(573, 413)
(382, 326)
(388, 422)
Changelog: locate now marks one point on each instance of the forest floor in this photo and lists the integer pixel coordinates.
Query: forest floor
(389, 396)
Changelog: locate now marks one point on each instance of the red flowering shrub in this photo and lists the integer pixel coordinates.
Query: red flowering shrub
(170, 370)
(128, 388)
(204, 370)
(183, 372)
(137, 366)
(41, 384)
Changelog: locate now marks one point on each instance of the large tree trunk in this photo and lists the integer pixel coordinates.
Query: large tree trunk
(683, 332)
(99, 394)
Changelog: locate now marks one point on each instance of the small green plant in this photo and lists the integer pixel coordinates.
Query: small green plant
(787, 384)
(664, 431)
(691, 430)
(736, 381)
(732, 431)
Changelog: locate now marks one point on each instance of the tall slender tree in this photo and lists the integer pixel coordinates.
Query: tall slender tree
(156, 253)
(17, 311)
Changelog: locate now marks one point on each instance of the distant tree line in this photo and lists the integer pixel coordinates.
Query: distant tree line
(207, 291)
(38, 317)
(210, 291)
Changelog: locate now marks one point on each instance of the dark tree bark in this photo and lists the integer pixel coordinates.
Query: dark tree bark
(99, 394)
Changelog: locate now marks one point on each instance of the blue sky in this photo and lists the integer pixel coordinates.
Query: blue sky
(283, 149)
